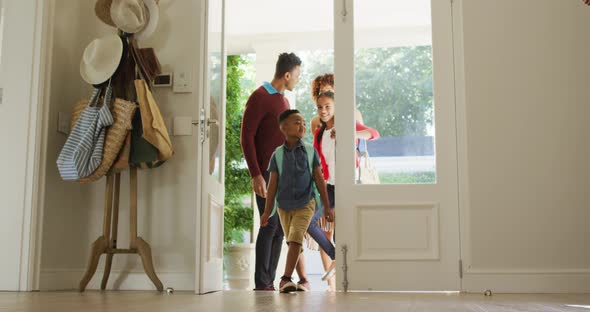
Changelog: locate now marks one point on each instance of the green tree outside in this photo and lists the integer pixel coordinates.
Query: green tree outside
(393, 87)
(238, 215)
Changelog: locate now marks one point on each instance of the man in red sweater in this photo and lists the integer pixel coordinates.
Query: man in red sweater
(260, 136)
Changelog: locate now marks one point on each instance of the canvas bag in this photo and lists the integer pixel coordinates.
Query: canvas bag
(122, 112)
(149, 130)
(142, 154)
(367, 174)
(154, 128)
(82, 152)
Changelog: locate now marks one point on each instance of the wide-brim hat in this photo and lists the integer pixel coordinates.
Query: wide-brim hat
(102, 9)
(101, 59)
(130, 16)
(152, 23)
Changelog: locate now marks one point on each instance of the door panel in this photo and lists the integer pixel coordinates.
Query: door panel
(394, 64)
(212, 134)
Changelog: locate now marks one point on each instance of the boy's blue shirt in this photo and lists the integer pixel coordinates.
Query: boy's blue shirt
(296, 188)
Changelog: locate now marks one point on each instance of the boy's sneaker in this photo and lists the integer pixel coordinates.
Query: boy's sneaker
(287, 285)
(330, 272)
(303, 285)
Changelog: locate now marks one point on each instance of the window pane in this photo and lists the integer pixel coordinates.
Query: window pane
(215, 63)
(394, 94)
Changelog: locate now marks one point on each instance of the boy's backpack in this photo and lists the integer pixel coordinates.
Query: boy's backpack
(279, 154)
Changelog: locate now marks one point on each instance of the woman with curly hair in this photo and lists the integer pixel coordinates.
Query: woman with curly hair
(326, 81)
(325, 143)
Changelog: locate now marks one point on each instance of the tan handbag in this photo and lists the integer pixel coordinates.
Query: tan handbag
(154, 128)
(122, 112)
(367, 173)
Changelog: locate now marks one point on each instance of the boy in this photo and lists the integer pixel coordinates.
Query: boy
(293, 187)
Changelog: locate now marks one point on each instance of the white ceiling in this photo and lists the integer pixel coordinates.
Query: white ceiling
(308, 24)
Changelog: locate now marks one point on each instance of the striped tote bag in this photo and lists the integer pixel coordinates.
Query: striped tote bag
(82, 152)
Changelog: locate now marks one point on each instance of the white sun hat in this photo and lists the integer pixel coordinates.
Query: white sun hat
(152, 23)
(101, 59)
(131, 16)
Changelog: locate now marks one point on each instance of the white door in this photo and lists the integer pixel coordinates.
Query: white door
(23, 36)
(402, 234)
(212, 136)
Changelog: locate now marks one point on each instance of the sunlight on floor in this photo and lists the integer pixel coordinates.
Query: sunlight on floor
(578, 306)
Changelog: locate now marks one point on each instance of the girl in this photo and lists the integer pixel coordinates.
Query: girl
(325, 143)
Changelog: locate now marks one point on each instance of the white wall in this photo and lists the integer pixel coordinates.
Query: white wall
(167, 200)
(525, 214)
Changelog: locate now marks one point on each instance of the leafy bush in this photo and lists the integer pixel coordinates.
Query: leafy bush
(238, 215)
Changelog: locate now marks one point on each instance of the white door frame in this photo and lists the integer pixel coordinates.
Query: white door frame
(201, 76)
(36, 13)
(208, 266)
(461, 124)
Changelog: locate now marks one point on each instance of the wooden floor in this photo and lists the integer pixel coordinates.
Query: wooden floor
(246, 301)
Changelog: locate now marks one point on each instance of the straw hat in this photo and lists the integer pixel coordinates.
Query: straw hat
(130, 16)
(102, 9)
(101, 59)
(152, 23)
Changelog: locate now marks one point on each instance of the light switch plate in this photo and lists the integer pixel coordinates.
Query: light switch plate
(182, 81)
(63, 122)
(183, 126)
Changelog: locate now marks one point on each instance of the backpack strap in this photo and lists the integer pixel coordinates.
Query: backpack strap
(310, 150)
(279, 155)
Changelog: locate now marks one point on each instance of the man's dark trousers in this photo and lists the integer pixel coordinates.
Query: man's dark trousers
(268, 247)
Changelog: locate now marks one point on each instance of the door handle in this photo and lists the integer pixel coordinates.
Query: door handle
(209, 122)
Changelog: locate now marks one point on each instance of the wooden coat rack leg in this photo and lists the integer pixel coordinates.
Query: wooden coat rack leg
(107, 243)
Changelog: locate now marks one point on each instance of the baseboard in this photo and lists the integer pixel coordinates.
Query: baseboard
(533, 281)
(59, 279)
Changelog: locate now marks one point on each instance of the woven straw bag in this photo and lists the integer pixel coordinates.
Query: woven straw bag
(122, 112)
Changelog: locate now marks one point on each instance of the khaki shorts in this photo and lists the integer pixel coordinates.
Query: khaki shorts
(296, 221)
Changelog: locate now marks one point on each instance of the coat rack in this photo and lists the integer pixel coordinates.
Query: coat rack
(107, 242)
(131, 19)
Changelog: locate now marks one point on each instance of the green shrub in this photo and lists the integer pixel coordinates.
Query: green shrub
(238, 215)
